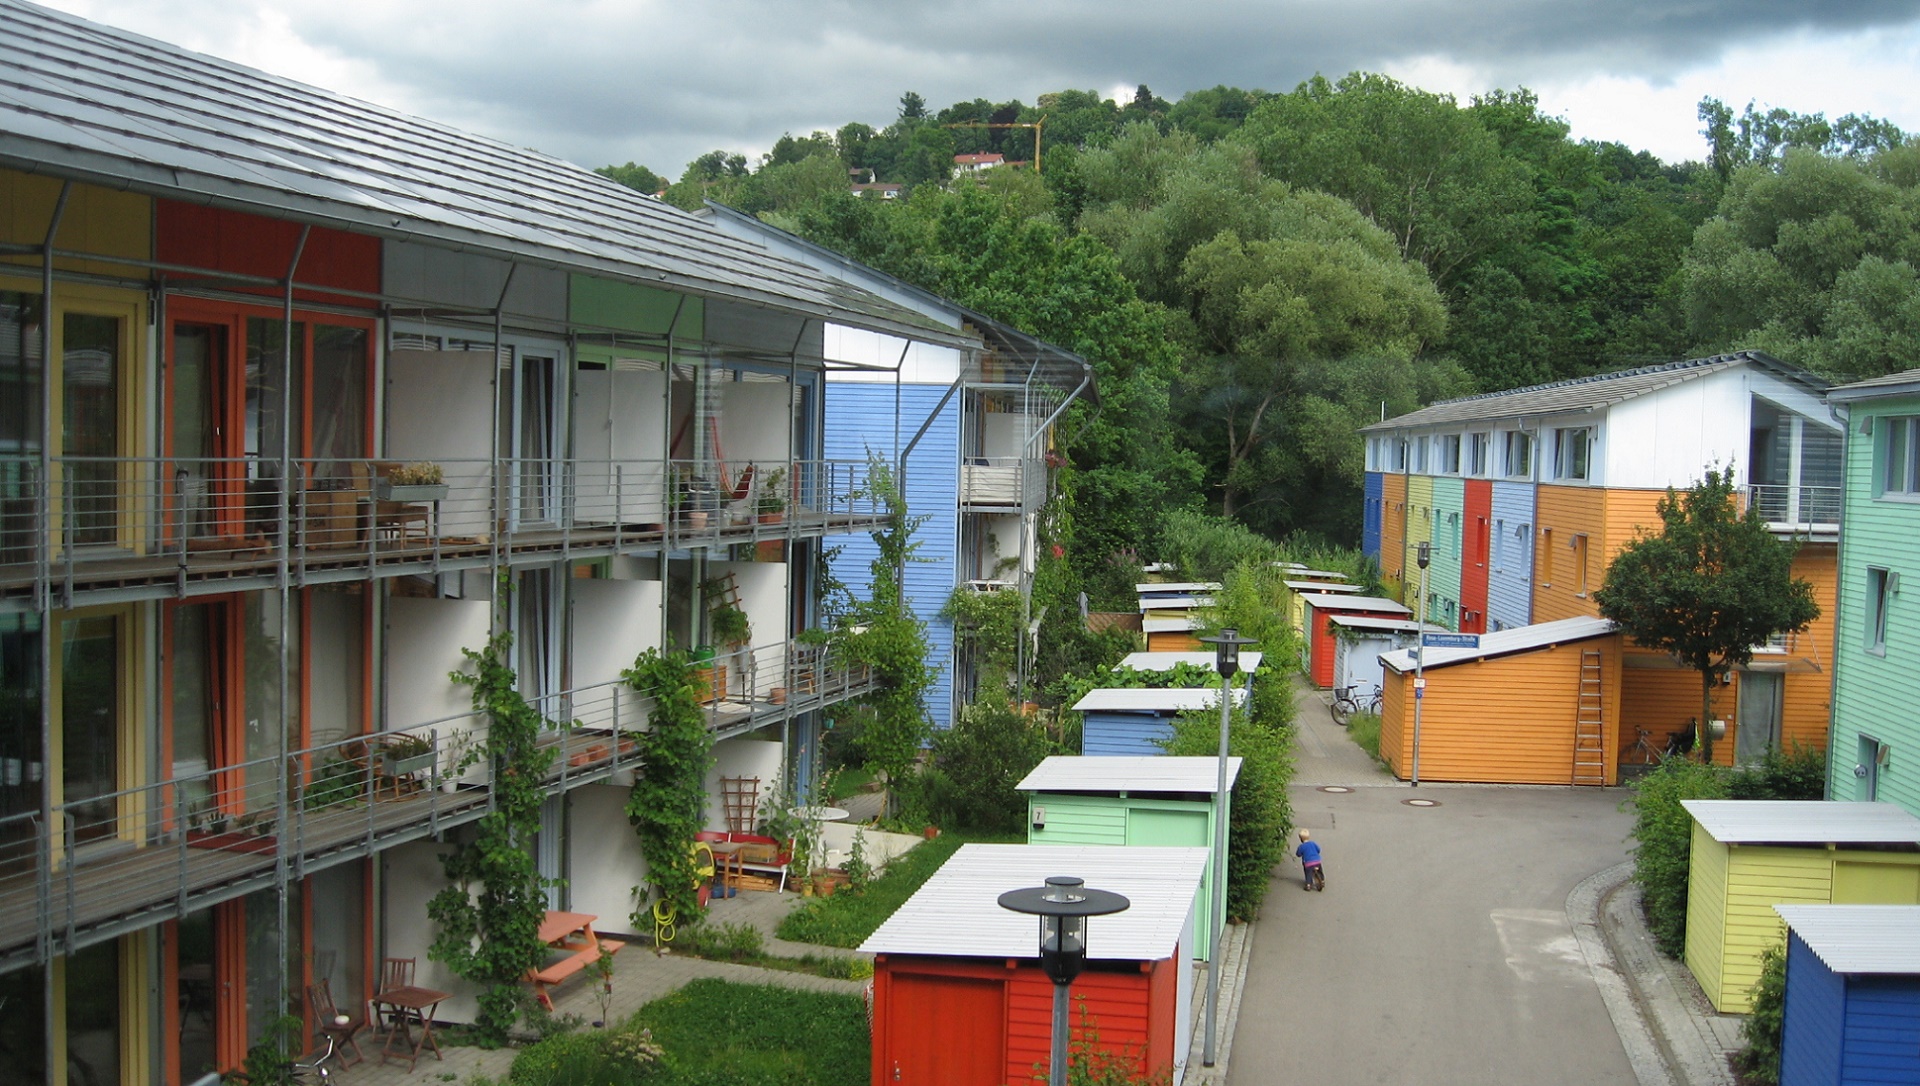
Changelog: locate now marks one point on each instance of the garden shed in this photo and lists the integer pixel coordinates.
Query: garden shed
(1171, 632)
(1749, 855)
(1319, 637)
(1853, 995)
(1131, 801)
(958, 994)
(1136, 721)
(1358, 641)
(1297, 609)
(1533, 705)
(1167, 661)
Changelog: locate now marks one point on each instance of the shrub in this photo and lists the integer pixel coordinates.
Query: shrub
(1664, 831)
(986, 752)
(1759, 1060)
(614, 1057)
(726, 942)
(1262, 814)
(1799, 772)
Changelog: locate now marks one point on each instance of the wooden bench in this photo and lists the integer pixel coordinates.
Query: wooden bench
(552, 975)
(762, 855)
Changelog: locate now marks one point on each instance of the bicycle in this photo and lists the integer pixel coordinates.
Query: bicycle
(1346, 702)
(1641, 752)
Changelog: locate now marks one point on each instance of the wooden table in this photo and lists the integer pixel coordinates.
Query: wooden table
(422, 1002)
(726, 861)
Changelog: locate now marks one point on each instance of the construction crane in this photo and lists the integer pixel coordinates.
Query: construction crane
(1035, 125)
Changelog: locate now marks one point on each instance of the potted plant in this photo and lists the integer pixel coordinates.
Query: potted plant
(771, 505)
(728, 625)
(403, 755)
(421, 482)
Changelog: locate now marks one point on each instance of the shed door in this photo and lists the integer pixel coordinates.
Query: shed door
(946, 1031)
(1179, 828)
(1875, 884)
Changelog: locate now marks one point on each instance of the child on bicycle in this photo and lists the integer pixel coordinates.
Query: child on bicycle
(1310, 869)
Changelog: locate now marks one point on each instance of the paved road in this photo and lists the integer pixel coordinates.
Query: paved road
(1440, 952)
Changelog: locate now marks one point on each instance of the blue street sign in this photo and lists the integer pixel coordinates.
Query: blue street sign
(1450, 641)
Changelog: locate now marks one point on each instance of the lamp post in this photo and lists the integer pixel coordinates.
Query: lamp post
(1063, 906)
(1422, 556)
(1226, 660)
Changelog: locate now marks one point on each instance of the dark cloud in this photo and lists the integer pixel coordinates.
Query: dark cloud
(611, 80)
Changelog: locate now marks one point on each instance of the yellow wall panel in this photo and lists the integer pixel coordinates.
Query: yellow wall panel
(1706, 906)
(1758, 878)
(97, 220)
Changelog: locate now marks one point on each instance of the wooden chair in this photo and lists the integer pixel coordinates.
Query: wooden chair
(394, 973)
(325, 1014)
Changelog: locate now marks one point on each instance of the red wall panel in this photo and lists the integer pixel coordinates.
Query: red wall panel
(1477, 539)
(219, 239)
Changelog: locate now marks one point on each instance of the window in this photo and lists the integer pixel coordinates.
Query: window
(1570, 449)
(1519, 455)
(1373, 454)
(1546, 558)
(1499, 546)
(1449, 454)
(1400, 454)
(1477, 447)
(1899, 456)
(1880, 587)
(1420, 455)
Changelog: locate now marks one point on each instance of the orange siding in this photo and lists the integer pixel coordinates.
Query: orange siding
(1393, 527)
(1663, 698)
(1807, 709)
(1174, 641)
(1627, 512)
(1562, 514)
(1507, 720)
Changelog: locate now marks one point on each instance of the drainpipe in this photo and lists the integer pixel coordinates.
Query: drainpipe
(43, 604)
(285, 524)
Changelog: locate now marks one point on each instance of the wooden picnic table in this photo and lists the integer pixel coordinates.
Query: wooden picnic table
(572, 932)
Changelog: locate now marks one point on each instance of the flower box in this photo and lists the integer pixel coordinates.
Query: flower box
(420, 492)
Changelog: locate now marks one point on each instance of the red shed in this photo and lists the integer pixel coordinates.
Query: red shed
(1319, 639)
(958, 995)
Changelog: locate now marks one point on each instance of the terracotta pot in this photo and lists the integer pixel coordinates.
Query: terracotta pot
(932, 832)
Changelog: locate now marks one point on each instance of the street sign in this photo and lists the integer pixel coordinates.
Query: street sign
(1419, 684)
(1450, 641)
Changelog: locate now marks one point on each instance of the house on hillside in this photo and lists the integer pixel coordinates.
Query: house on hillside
(304, 400)
(1526, 496)
(974, 163)
(971, 429)
(1876, 741)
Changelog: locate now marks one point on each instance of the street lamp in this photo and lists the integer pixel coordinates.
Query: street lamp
(1423, 557)
(1063, 906)
(1226, 660)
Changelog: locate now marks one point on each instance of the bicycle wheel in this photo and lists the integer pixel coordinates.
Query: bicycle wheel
(1375, 703)
(1342, 711)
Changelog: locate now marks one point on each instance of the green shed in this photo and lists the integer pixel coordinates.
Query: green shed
(1750, 855)
(1132, 800)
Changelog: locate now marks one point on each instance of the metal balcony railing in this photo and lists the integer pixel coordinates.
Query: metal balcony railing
(994, 480)
(1796, 504)
(174, 526)
(123, 860)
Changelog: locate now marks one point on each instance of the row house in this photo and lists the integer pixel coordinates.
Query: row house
(1525, 497)
(300, 400)
(974, 430)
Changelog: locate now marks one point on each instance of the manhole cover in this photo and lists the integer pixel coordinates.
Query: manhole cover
(1421, 802)
(1337, 789)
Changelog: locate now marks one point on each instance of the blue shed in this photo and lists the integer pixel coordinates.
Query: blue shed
(1853, 995)
(1131, 721)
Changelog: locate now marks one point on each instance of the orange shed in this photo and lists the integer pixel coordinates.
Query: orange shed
(1531, 705)
(959, 998)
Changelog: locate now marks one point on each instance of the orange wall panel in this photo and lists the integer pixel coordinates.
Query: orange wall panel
(1396, 721)
(1561, 514)
(1393, 528)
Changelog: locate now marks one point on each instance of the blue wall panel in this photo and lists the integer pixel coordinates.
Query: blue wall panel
(1124, 733)
(860, 418)
(1816, 1000)
(1882, 1040)
(1370, 525)
(1510, 561)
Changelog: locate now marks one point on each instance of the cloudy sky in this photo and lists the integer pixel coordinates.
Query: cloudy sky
(661, 81)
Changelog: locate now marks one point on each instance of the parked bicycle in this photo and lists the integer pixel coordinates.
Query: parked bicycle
(1641, 752)
(1348, 700)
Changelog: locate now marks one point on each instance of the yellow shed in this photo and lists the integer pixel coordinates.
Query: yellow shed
(1530, 705)
(1750, 855)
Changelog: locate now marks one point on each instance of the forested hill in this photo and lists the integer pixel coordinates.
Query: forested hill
(1255, 274)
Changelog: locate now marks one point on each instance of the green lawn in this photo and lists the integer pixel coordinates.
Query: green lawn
(846, 919)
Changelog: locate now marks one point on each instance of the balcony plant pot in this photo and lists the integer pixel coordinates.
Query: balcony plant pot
(400, 492)
(696, 519)
(406, 765)
(777, 695)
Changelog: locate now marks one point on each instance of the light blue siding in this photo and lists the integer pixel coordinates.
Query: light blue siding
(1124, 733)
(1510, 557)
(1816, 1000)
(1375, 491)
(859, 419)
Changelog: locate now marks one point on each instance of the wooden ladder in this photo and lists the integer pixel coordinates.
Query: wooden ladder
(1590, 723)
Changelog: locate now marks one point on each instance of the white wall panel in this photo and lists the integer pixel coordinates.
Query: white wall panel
(438, 404)
(619, 420)
(925, 364)
(423, 643)
(605, 862)
(741, 758)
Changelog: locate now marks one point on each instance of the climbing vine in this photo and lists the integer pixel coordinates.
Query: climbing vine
(667, 805)
(490, 913)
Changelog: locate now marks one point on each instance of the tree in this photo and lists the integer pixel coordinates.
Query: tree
(635, 177)
(912, 107)
(1709, 588)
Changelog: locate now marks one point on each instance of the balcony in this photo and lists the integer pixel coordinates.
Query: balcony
(122, 529)
(1798, 509)
(119, 862)
(1001, 483)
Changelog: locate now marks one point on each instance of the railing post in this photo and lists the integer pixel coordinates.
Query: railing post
(619, 506)
(182, 828)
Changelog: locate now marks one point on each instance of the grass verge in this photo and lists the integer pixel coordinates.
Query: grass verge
(845, 920)
(1364, 730)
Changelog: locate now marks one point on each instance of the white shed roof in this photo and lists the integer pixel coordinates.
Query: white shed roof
(1155, 701)
(1373, 622)
(1321, 587)
(1380, 604)
(1165, 661)
(1859, 938)
(1176, 588)
(1128, 773)
(1168, 623)
(958, 911)
(1174, 603)
(1803, 822)
(1505, 642)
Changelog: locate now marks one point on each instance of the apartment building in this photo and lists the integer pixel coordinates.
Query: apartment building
(238, 315)
(974, 434)
(1527, 495)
